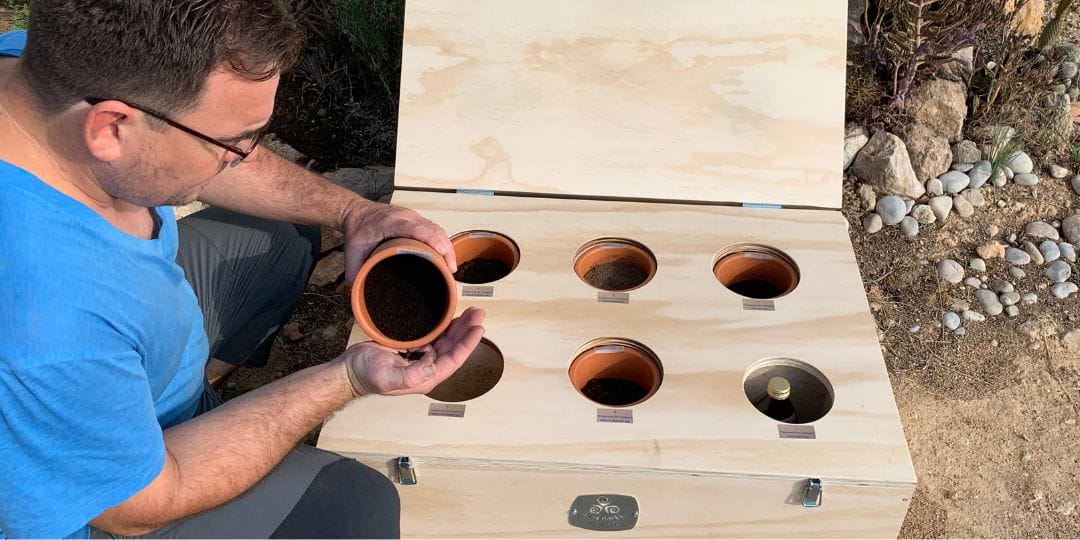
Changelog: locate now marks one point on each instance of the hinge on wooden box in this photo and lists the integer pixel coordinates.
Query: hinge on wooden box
(761, 205)
(812, 493)
(481, 192)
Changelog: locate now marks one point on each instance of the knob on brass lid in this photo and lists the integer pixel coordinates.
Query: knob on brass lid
(779, 388)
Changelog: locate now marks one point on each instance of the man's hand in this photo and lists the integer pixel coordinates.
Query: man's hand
(366, 224)
(374, 369)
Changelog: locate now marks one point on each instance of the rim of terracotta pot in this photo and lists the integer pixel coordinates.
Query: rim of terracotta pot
(743, 262)
(483, 244)
(617, 358)
(610, 249)
(401, 247)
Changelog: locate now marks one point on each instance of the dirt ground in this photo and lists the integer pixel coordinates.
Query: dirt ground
(991, 418)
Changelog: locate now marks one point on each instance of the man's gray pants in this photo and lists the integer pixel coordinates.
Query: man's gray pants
(248, 274)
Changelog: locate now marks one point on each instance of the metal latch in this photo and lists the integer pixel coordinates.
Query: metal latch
(812, 494)
(405, 471)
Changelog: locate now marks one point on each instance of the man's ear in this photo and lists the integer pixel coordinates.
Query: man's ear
(107, 129)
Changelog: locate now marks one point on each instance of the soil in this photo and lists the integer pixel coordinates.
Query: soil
(616, 276)
(406, 296)
(614, 392)
(755, 288)
(479, 271)
(412, 356)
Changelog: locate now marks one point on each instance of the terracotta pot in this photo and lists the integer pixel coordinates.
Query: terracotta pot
(472, 245)
(614, 358)
(402, 247)
(606, 250)
(766, 266)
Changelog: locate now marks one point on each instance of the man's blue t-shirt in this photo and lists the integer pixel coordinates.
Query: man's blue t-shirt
(102, 347)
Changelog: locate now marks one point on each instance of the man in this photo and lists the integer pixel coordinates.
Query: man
(113, 111)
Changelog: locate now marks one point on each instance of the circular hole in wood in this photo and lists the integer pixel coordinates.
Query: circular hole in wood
(810, 394)
(484, 256)
(616, 372)
(756, 271)
(615, 264)
(478, 375)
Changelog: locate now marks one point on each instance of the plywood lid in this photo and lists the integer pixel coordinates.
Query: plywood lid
(705, 100)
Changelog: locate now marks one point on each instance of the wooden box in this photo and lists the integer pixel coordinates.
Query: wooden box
(696, 129)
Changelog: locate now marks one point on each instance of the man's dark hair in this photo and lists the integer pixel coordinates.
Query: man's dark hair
(154, 53)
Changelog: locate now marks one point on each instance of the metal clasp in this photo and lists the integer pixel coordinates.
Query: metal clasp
(812, 494)
(406, 472)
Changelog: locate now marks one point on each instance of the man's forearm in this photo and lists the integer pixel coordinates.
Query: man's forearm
(271, 187)
(219, 455)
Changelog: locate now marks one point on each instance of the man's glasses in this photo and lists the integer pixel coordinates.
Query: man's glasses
(243, 154)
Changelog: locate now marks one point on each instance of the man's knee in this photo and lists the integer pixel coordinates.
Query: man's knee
(345, 500)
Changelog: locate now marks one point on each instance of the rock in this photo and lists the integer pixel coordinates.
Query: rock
(960, 332)
(950, 271)
(1059, 89)
(1050, 251)
(923, 214)
(1012, 238)
(980, 173)
(1070, 226)
(950, 320)
(941, 206)
(973, 282)
(281, 148)
(855, 138)
(1017, 272)
(1009, 298)
(975, 197)
(999, 180)
(872, 223)
(372, 183)
(1020, 163)
(1068, 252)
(955, 181)
(1009, 174)
(884, 162)
(1025, 179)
(1030, 299)
(908, 205)
(974, 316)
(941, 105)
(867, 196)
(1012, 311)
(292, 332)
(1026, 17)
(329, 269)
(934, 187)
(1063, 290)
(963, 206)
(961, 68)
(929, 152)
(1001, 286)
(1061, 117)
(892, 209)
(966, 152)
(1056, 171)
(1017, 256)
(1059, 271)
(989, 302)
(1066, 508)
(958, 304)
(1033, 252)
(1074, 94)
(909, 227)
(991, 250)
(977, 264)
(1037, 329)
(963, 167)
(330, 332)
(1041, 229)
(1076, 184)
(1072, 339)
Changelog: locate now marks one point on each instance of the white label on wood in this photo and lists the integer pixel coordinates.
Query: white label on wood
(796, 432)
(451, 410)
(481, 192)
(478, 291)
(608, 297)
(403, 251)
(615, 416)
(753, 304)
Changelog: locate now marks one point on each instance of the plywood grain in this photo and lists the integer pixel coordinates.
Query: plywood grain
(716, 100)
(700, 419)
